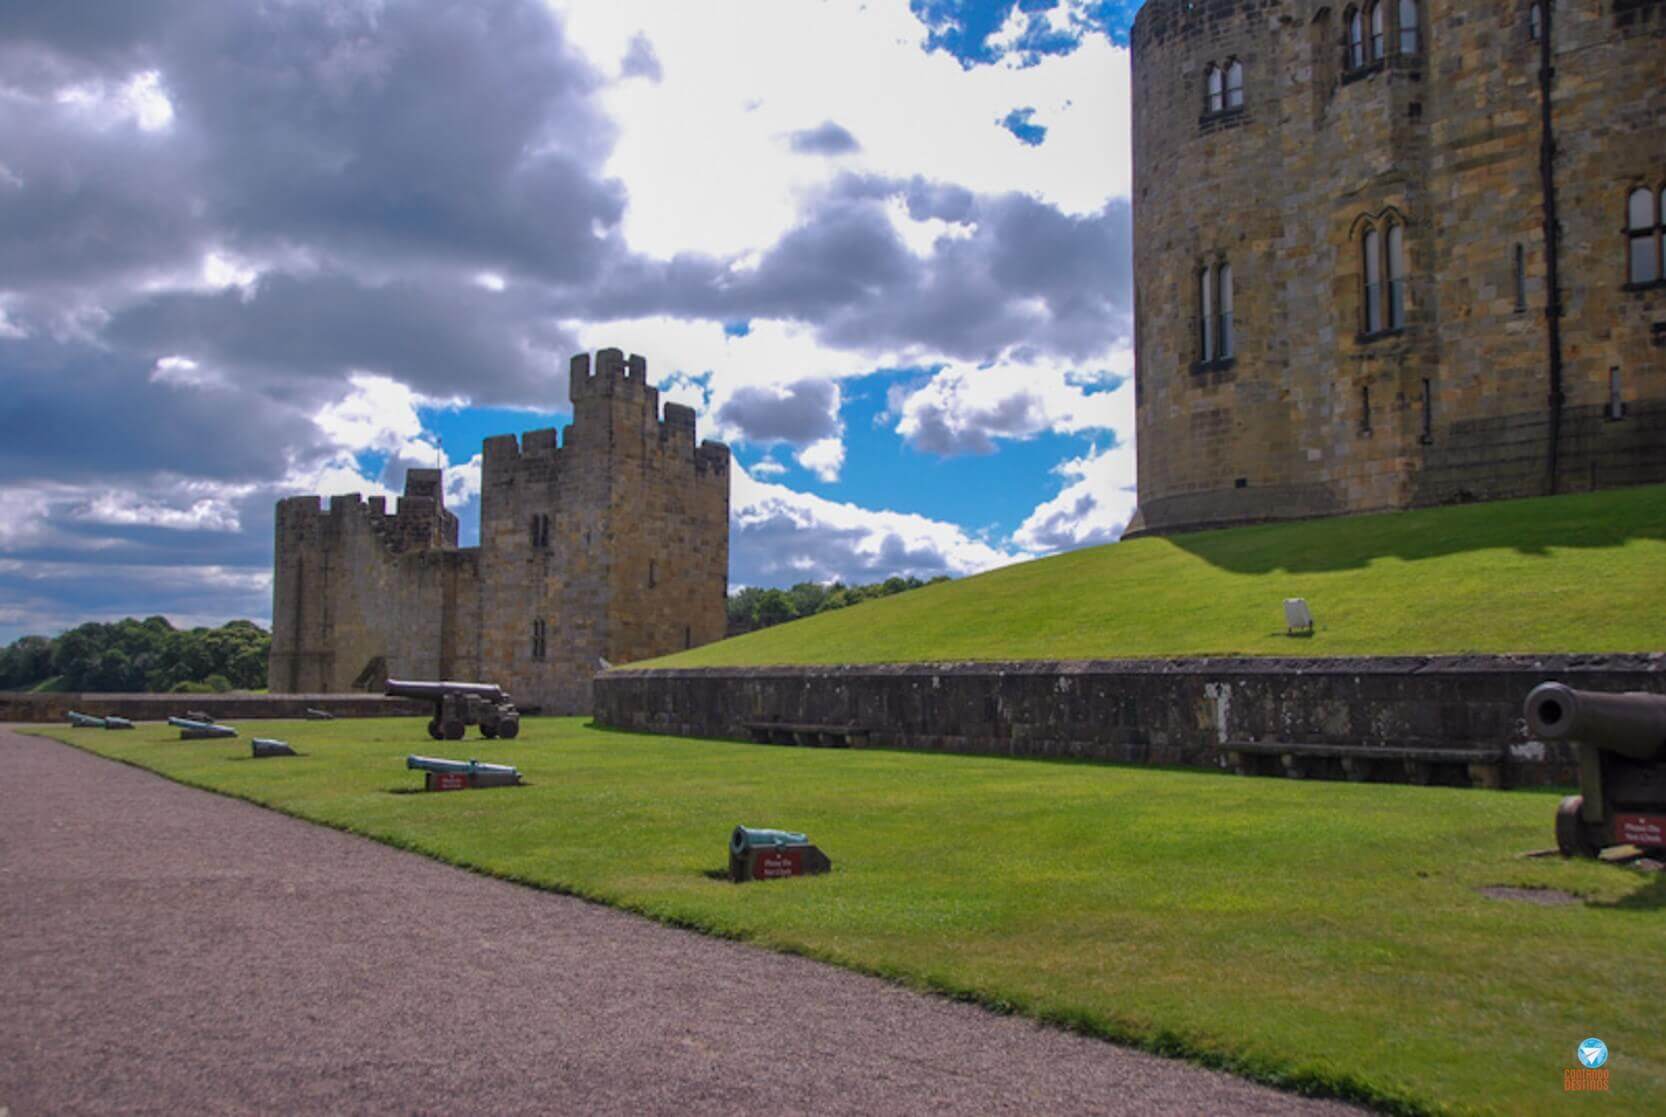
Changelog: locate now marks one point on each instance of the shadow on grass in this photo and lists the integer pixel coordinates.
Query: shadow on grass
(1650, 897)
(1530, 527)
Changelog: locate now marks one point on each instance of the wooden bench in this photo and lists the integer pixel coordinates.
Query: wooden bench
(1482, 767)
(813, 736)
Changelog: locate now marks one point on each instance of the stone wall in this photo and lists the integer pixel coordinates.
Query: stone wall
(35, 707)
(1312, 415)
(610, 542)
(1135, 711)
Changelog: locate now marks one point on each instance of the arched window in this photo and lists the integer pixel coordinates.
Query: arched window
(1235, 85)
(1372, 320)
(1536, 21)
(1396, 278)
(1206, 315)
(1212, 83)
(1354, 55)
(1408, 26)
(1223, 275)
(540, 645)
(1643, 233)
(1378, 43)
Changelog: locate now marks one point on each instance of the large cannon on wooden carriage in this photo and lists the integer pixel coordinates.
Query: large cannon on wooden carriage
(460, 705)
(1622, 766)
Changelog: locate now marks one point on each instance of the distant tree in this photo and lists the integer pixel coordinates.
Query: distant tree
(755, 607)
(132, 654)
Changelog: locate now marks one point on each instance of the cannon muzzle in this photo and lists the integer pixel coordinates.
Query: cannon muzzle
(1632, 724)
(746, 838)
(435, 691)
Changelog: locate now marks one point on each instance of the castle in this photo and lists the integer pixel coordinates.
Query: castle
(1391, 253)
(612, 544)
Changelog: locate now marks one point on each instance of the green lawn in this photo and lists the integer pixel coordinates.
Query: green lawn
(1320, 935)
(1583, 573)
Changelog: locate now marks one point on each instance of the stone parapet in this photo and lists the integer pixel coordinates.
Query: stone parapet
(1181, 711)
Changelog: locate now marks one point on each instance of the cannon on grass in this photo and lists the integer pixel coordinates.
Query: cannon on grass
(767, 854)
(267, 746)
(113, 722)
(460, 705)
(84, 721)
(1622, 766)
(440, 774)
(190, 730)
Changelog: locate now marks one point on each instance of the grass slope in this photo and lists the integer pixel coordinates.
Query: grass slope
(1320, 935)
(1581, 573)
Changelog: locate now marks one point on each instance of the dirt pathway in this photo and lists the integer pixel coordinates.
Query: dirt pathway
(165, 950)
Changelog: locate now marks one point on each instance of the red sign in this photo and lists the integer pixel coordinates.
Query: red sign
(447, 781)
(1641, 829)
(768, 864)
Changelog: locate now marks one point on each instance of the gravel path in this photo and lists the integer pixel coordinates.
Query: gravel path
(165, 950)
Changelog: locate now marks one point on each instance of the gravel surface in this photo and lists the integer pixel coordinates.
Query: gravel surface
(165, 950)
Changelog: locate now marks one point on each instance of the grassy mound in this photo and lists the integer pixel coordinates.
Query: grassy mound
(1324, 936)
(1582, 573)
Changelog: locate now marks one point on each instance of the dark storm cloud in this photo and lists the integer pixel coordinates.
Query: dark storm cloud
(845, 271)
(798, 413)
(76, 412)
(440, 337)
(826, 138)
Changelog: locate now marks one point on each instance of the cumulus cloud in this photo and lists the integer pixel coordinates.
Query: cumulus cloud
(961, 409)
(801, 412)
(779, 535)
(826, 138)
(640, 60)
(1094, 506)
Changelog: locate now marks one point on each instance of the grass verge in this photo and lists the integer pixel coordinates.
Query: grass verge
(1557, 574)
(1325, 937)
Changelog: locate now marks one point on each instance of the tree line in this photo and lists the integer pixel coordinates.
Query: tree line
(754, 608)
(133, 655)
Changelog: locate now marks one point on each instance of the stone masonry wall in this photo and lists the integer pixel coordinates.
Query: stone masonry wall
(1311, 416)
(1135, 711)
(609, 542)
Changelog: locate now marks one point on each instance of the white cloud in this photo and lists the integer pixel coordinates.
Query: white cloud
(462, 482)
(183, 372)
(824, 457)
(768, 467)
(964, 409)
(491, 281)
(1094, 507)
(131, 509)
(141, 99)
(780, 534)
(723, 97)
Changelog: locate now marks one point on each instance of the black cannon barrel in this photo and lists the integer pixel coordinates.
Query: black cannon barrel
(434, 691)
(1632, 723)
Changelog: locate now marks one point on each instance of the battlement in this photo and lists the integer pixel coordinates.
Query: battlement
(613, 375)
(422, 521)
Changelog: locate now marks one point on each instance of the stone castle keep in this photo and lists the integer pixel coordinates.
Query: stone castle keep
(612, 544)
(1395, 253)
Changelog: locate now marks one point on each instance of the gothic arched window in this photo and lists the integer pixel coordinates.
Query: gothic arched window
(1354, 55)
(1235, 84)
(1212, 88)
(1536, 21)
(1378, 42)
(1643, 235)
(1206, 314)
(1372, 320)
(1408, 26)
(1223, 278)
(1396, 278)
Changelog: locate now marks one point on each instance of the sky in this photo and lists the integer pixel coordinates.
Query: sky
(249, 251)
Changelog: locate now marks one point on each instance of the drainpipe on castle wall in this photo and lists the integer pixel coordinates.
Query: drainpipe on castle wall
(1553, 306)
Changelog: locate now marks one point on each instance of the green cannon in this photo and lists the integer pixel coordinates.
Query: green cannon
(460, 705)
(190, 730)
(1622, 766)
(113, 722)
(440, 774)
(756, 854)
(85, 721)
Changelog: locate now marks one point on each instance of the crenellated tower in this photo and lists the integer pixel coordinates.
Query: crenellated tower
(608, 540)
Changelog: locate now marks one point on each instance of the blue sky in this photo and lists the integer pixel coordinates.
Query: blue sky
(248, 252)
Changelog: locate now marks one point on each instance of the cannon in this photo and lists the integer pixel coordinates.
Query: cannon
(440, 774)
(1621, 740)
(313, 714)
(199, 715)
(460, 705)
(113, 722)
(266, 746)
(190, 730)
(85, 721)
(767, 854)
